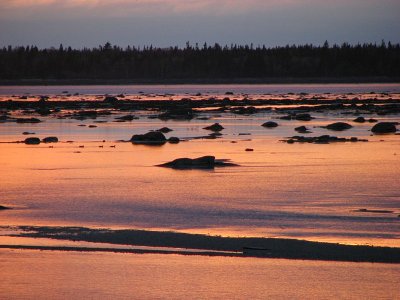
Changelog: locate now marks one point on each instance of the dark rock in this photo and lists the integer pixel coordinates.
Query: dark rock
(92, 126)
(244, 110)
(214, 127)
(204, 162)
(32, 141)
(151, 138)
(339, 126)
(4, 207)
(359, 120)
(164, 130)
(384, 127)
(173, 140)
(27, 133)
(302, 129)
(28, 120)
(270, 124)
(109, 99)
(50, 139)
(303, 117)
(323, 139)
(249, 149)
(287, 117)
(177, 114)
(372, 120)
(127, 118)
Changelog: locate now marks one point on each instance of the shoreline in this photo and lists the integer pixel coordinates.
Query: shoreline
(200, 81)
(209, 245)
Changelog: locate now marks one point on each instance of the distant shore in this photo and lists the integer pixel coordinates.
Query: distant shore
(239, 246)
(275, 80)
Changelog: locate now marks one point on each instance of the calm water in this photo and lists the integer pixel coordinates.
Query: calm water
(122, 276)
(299, 191)
(207, 89)
(304, 191)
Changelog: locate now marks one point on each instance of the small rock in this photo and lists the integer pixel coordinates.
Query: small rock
(92, 126)
(4, 207)
(359, 120)
(249, 149)
(302, 129)
(152, 138)
(28, 120)
(50, 139)
(173, 140)
(32, 141)
(214, 127)
(303, 117)
(339, 126)
(164, 130)
(270, 124)
(27, 133)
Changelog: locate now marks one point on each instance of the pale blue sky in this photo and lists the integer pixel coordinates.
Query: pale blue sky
(80, 23)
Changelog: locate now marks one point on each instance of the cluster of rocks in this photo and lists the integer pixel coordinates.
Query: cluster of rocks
(204, 162)
(323, 139)
(298, 117)
(37, 141)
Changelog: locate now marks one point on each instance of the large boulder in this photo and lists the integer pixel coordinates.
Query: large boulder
(204, 162)
(151, 138)
(384, 127)
(339, 126)
(32, 141)
(214, 127)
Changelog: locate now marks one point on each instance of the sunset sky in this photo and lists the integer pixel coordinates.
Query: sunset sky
(80, 23)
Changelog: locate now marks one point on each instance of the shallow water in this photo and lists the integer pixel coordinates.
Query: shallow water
(127, 276)
(305, 191)
(217, 89)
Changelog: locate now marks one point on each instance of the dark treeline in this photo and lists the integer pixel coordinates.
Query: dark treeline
(201, 62)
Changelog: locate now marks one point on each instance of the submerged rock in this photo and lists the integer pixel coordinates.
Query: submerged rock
(110, 99)
(177, 114)
(270, 124)
(302, 129)
(214, 127)
(32, 141)
(323, 139)
(50, 139)
(339, 126)
(126, 118)
(384, 127)
(204, 162)
(164, 130)
(152, 138)
(359, 120)
(28, 120)
(303, 117)
(174, 140)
